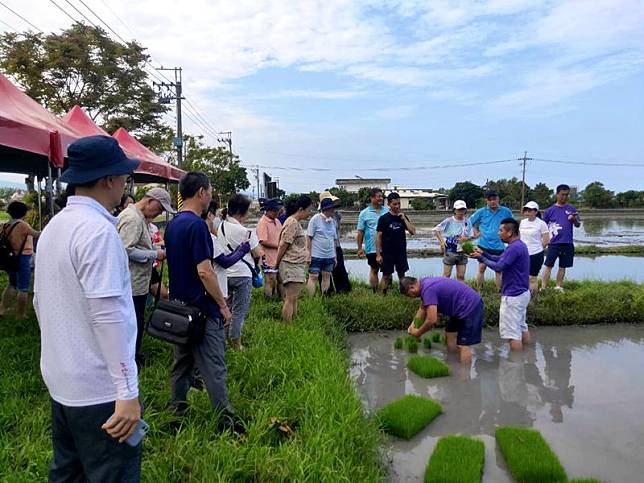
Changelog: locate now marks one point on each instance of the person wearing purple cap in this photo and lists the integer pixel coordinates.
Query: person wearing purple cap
(514, 264)
(560, 217)
(83, 302)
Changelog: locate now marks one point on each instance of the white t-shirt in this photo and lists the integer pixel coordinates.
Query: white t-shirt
(81, 262)
(531, 233)
(222, 274)
(235, 235)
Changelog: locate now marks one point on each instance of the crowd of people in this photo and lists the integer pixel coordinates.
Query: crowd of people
(108, 257)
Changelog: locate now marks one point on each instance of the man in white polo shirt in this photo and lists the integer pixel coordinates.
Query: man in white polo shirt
(83, 301)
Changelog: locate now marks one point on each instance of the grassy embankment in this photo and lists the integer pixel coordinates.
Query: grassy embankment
(582, 302)
(305, 420)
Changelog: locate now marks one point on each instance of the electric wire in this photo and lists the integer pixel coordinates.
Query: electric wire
(19, 16)
(8, 26)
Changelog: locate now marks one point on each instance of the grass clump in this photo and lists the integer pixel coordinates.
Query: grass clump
(305, 420)
(411, 344)
(529, 456)
(437, 337)
(456, 459)
(398, 343)
(427, 366)
(427, 343)
(408, 415)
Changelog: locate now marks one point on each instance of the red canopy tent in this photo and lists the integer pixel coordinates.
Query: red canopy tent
(152, 167)
(30, 136)
(151, 164)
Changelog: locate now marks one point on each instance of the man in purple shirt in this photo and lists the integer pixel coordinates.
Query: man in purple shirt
(454, 299)
(514, 264)
(560, 218)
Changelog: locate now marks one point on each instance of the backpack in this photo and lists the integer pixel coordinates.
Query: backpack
(8, 257)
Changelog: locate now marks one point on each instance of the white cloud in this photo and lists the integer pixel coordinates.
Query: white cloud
(394, 113)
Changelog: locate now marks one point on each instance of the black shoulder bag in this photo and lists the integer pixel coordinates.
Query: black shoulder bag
(175, 321)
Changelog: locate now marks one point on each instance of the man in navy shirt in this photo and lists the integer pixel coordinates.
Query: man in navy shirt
(193, 280)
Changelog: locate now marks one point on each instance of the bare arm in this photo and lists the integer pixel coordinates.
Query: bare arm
(283, 246)
(431, 317)
(360, 239)
(409, 225)
(267, 244)
(545, 239)
(378, 243)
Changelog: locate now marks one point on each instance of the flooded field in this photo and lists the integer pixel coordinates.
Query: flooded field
(608, 267)
(582, 387)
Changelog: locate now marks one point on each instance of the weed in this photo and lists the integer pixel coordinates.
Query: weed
(398, 343)
(427, 343)
(427, 366)
(456, 459)
(528, 456)
(408, 415)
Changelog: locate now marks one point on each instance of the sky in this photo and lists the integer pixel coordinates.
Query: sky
(318, 90)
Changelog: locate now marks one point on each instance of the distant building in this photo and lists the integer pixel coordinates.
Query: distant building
(353, 185)
(439, 201)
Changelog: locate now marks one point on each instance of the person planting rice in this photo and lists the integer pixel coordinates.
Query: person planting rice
(514, 264)
(454, 299)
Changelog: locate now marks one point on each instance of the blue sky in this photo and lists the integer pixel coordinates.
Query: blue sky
(353, 85)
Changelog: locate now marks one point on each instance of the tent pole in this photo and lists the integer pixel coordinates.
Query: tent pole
(49, 187)
(59, 188)
(39, 204)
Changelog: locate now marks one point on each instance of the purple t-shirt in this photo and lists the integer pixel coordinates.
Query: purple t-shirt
(453, 298)
(514, 264)
(559, 226)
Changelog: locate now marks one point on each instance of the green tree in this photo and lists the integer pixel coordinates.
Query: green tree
(422, 204)
(542, 195)
(226, 174)
(510, 191)
(346, 199)
(630, 199)
(466, 191)
(596, 196)
(83, 65)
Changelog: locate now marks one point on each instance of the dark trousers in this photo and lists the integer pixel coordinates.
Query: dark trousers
(140, 301)
(209, 356)
(85, 452)
(341, 282)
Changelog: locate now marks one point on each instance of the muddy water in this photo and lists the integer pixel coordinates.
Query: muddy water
(582, 387)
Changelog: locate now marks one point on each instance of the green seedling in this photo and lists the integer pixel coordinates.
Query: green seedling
(585, 480)
(418, 323)
(398, 343)
(456, 459)
(468, 247)
(407, 416)
(411, 343)
(427, 343)
(437, 337)
(528, 456)
(427, 366)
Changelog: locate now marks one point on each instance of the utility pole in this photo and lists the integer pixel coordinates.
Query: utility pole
(525, 158)
(227, 138)
(259, 194)
(172, 91)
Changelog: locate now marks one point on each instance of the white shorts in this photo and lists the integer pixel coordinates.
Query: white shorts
(512, 316)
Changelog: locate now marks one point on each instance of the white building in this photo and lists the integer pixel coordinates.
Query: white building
(353, 185)
(440, 201)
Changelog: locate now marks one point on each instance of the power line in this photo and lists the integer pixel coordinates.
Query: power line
(9, 26)
(64, 11)
(19, 16)
(589, 163)
(81, 13)
(118, 18)
(385, 169)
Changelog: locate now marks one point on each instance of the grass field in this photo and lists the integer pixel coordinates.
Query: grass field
(407, 416)
(427, 366)
(293, 377)
(528, 456)
(456, 459)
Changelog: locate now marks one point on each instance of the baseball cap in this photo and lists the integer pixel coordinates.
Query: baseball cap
(163, 197)
(491, 193)
(327, 203)
(531, 205)
(460, 204)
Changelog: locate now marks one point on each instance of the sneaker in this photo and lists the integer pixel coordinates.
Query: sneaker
(560, 289)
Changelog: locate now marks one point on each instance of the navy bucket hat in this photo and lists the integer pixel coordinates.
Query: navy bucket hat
(93, 157)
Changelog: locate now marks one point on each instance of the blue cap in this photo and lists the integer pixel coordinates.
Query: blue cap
(271, 204)
(327, 203)
(93, 157)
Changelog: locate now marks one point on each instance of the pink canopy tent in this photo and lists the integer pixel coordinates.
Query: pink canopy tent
(31, 138)
(152, 167)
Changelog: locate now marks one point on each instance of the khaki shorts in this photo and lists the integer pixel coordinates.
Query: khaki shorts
(292, 272)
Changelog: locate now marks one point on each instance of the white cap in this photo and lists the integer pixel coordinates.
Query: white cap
(460, 204)
(531, 205)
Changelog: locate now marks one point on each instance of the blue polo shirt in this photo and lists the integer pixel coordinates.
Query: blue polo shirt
(188, 243)
(489, 222)
(368, 222)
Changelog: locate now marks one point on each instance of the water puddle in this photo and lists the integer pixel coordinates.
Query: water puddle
(582, 387)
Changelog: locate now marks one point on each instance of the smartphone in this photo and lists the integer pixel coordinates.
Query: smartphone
(140, 431)
(249, 234)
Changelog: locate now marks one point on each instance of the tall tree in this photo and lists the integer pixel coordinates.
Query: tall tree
(466, 191)
(510, 191)
(542, 195)
(346, 199)
(223, 168)
(83, 65)
(630, 199)
(596, 196)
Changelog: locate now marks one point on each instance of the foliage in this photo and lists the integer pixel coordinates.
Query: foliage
(509, 191)
(427, 366)
(422, 204)
(596, 196)
(542, 195)
(456, 459)
(528, 456)
(363, 197)
(408, 415)
(347, 199)
(630, 199)
(468, 192)
(296, 374)
(83, 65)
(224, 170)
